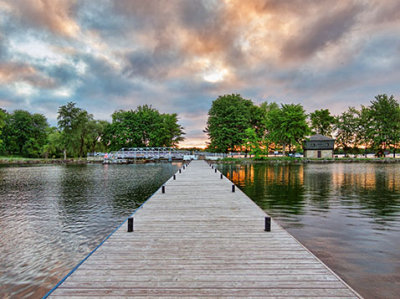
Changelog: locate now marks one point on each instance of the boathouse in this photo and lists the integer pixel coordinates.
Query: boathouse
(319, 146)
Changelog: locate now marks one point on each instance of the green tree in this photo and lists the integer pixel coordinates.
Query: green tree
(143, 127)
(54, 143)
(25, 133)
(252, 142)
(122, 132)
(363, 121)
(96, 136)
(74, 124)
(348, 128)
(171, 132)
(384, 127)
(155, 129)
(37, 139)
(228, 118)
(267, 109)
(322, 122)
(288, 126)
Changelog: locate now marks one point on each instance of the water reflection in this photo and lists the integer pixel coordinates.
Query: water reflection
(275, 187)
(52, 216)
(347, 214)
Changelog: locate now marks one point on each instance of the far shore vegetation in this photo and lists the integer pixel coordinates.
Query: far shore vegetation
(29, 135)
(234, 125)
(237, 124)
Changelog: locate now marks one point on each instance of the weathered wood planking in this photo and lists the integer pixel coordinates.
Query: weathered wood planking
(201, 239)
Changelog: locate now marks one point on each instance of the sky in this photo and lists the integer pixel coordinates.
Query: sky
(180, 55)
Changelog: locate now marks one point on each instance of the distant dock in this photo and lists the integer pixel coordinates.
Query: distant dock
(198, 235)
(151, 154)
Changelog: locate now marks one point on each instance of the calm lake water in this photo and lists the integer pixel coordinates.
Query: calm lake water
(346, 214)
(52, 216)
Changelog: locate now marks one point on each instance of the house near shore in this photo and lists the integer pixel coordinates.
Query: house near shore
(319, 146)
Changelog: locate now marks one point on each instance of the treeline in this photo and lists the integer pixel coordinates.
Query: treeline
(235, 123)
(77, 132)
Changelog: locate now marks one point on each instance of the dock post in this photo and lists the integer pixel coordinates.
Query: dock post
(212, 167)
(130, 224)
(267, 224)
(222, 176)
(174, 177)
(180, 170)
(163, 189)
(183, 166)
(233, 188)
(215, 170)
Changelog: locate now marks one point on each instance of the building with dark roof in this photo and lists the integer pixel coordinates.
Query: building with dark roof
(319, 146)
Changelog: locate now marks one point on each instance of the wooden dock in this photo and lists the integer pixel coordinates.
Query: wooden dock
(200, 239)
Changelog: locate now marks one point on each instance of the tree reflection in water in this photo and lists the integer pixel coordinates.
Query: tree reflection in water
(347, 214)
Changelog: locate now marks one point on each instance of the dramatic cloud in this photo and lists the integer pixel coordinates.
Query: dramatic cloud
(325, 30)
(54, 15)
(179, 55)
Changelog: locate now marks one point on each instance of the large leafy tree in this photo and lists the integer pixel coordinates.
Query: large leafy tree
(54, 144)
(156, 129)
(384, 123)
(267, 109)
(288, 126)
(171, 132)
(322, 122)
(362, 122)
(348, 129)
(122, 132)
(228, 118)
(252, 142)
(24, 133)
(74, 124)
(96, 136)
(142, 127)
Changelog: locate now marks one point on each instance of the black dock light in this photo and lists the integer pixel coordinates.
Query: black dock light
(174, 177)
(163, 189)
(183, 166)
(267, 224)
(212, 167)
(222, 176)
(215, 170)
(233, 188)
(180, 170)
(130, 224)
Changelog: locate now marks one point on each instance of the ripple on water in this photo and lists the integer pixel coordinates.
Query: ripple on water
(53, 216)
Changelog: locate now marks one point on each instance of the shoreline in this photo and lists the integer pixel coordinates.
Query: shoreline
(271, 160)
(25, 161)
(285, 160)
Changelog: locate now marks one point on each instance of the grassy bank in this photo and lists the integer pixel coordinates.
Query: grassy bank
(306, 160)
(22, 160)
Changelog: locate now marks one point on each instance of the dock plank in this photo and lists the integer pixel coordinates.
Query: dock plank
(201, 239)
